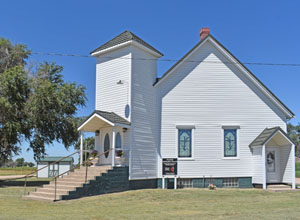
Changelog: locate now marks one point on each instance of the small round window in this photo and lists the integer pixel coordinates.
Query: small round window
(106, 145)
(118, 140)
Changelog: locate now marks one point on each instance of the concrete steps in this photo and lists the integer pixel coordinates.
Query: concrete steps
(66, 184)
(279, 188)
(62, 187)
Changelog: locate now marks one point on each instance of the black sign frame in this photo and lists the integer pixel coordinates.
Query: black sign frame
(169, 166)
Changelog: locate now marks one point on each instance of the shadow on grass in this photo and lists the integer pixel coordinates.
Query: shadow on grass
(6, 183)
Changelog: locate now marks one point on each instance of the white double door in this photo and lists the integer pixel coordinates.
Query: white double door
(272, 165)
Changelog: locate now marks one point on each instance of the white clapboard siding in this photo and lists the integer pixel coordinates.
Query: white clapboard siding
(110, 96)
(64, 167)
(286, 164)
(43, 173)
(258, 164)
(209, 95)
(144, 127)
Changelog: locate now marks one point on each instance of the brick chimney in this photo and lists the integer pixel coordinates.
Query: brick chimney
(204, 32)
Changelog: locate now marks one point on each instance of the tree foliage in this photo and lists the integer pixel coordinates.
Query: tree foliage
(88, 144)
(38, 107)
(294, 134)
(20, 162)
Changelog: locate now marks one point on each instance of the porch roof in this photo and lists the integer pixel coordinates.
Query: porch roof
(267, 134)
(100, 119)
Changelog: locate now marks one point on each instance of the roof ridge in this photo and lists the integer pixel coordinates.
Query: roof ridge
(130, 33)
(124, 37)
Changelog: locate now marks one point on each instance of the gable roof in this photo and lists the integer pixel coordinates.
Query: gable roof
(264, 136)
(209, 36)
(122, 38)
(111, 117)
(53, 159)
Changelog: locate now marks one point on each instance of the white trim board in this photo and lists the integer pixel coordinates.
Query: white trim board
(128, 43)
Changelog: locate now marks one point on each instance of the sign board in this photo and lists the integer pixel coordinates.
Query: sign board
(169, 166)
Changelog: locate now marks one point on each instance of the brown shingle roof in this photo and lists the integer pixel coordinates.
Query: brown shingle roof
(266, 134)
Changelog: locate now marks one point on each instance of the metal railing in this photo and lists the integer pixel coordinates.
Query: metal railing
(55, 162)
(86, 163)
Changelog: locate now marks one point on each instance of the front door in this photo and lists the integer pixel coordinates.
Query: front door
(272, 165)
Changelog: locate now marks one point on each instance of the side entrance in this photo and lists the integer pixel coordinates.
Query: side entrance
(272, 165)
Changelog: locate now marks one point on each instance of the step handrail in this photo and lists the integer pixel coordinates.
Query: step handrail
(83, 163)
(57, 161)
(86, 170)
(29, 175)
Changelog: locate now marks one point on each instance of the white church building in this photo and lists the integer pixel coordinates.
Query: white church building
(208, 119)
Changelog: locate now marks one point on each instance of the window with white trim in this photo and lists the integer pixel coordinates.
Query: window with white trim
(230, 142)
(184, 143)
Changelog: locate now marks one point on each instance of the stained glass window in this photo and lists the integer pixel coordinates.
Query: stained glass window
(230, 143)
(184, 143)
(106, 145)
(118, 140)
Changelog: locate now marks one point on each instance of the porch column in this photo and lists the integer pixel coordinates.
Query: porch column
(264, 167)
(81, 147)
(113, 141)
(294, 167)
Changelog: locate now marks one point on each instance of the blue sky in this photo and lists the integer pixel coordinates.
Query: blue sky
(254, 31)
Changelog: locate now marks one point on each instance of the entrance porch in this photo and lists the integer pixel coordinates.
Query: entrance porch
(112, 134)
(273, 155)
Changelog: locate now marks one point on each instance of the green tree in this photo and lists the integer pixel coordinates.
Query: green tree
(3, 162)
(294, 134)
(14, 92)
(38, 107)
(20, 162)
(30, 164)
(88, 144)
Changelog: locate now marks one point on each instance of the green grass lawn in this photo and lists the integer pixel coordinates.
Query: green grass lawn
(16, 171)
(156, 204)
(298, 170)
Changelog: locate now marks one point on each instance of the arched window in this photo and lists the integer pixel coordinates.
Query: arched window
(230, 149)
(106, 145)
(118, 141)
(184, 143)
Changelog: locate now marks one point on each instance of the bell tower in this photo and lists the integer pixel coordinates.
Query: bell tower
(125, 65)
